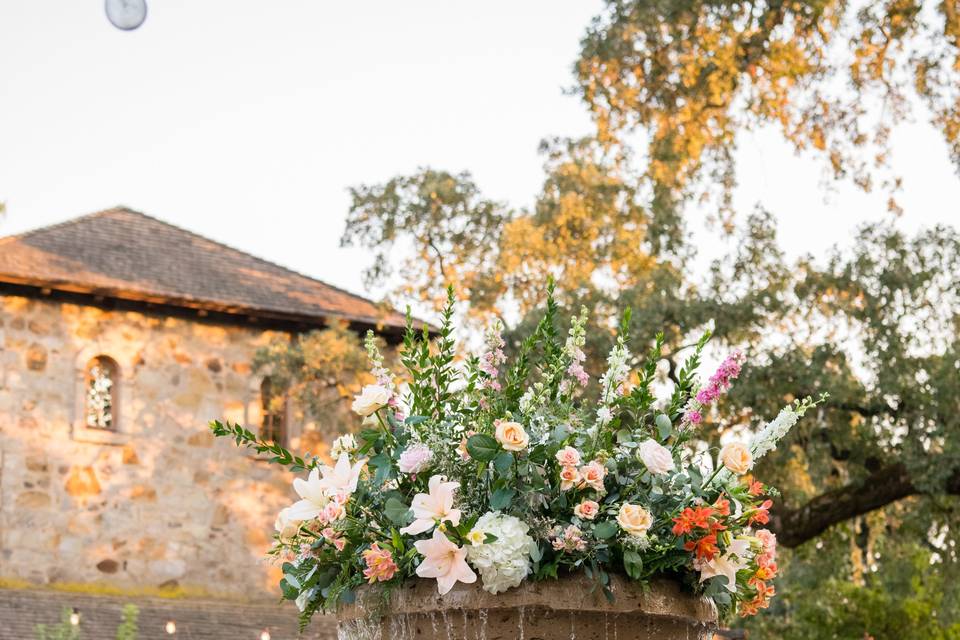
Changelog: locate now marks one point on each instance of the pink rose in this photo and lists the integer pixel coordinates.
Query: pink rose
(415, 458)
(592, 474)
(586, 510)
(568, 457)
(569, 477)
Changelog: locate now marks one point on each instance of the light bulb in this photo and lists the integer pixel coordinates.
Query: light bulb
(75, 617)
(171, 627)
(265, 635)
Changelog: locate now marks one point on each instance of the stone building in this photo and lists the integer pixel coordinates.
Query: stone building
(121, 336)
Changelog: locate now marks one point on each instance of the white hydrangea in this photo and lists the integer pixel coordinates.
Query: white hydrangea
(505, 562)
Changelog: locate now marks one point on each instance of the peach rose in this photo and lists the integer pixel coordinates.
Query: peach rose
(511, 436)
(586, 510)
(569, 477)
(736, 457)
(592, 474)
(634, 519)
(568, 457)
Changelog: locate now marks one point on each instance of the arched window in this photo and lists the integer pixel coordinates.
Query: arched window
(100, 406)
(274, 412)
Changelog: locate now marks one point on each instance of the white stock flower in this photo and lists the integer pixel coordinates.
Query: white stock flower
(346, 443)
(505, 562)
(766, 440)
(655, 457)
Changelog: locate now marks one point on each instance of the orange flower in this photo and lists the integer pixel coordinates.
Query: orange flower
(691, 518)
(705, 548)
(755, 488)
(761, 514)
(722, 505)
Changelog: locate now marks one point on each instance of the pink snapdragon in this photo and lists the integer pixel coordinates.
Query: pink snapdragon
(380, 564)
(722, 379)
(493, 357)
(718, 384)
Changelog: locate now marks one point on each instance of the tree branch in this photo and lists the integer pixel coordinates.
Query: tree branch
(889, 484)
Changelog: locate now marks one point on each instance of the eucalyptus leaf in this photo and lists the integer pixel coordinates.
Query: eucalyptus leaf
(397, 512)
(664, 426)
(501, 498)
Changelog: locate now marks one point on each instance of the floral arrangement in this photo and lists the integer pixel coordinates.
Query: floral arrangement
(482, 470)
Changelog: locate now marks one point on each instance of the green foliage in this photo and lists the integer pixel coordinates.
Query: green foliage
(442, 215)
(128, 629)
(245, 438)
(64, 630)
(307, 367)
(61, 631)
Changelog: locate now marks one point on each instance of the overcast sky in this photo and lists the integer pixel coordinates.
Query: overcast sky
(247, 120)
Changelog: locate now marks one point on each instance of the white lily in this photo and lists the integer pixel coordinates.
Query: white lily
(727, 565)
(433, 507)
(313, 498)
(342, 478)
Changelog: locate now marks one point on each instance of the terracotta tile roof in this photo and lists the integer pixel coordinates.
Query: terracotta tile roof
(121, 253)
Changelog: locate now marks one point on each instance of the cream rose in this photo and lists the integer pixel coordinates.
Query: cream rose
(634, 519)
(568, 457)
(655, 457)
(736, 457)
(586, 510)
(511, 436)
(370, 399)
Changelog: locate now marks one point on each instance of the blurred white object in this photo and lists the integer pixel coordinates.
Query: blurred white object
(126, 14)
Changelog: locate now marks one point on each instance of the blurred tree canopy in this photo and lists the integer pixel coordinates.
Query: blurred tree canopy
(833, 75)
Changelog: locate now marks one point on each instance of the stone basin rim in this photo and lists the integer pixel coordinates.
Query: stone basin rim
(663, 599)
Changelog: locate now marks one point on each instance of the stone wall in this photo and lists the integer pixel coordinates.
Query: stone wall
(158, 504)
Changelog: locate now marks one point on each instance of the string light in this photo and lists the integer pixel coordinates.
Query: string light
(171, 627)
(75, 617)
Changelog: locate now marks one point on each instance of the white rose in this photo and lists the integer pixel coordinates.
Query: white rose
(736, 457)
(655, 457)
(370, 399)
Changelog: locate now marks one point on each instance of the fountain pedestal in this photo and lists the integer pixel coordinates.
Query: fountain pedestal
(563, 609)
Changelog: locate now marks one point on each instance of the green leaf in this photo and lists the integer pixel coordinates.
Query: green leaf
(633, 563)
(503, 462)
(664, 427)
(415, 420)
(604, 530)
(482, 447)
(501, 498)
(397, 512)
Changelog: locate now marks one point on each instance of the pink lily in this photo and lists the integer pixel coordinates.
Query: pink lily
(444, 561)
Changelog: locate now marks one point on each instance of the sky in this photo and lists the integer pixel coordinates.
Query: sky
(246, 121)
